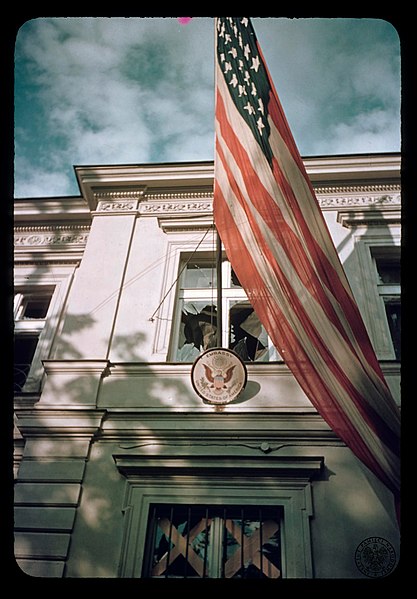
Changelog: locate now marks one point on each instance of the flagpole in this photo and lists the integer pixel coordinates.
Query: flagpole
(219, 289)
(218, 249)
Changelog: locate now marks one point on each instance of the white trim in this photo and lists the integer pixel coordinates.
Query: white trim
(178, 244)
(369, 299)
(81, 367)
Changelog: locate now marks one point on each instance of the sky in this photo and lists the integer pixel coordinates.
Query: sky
(133, 90)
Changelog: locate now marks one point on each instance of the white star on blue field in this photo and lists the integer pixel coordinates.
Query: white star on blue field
(116, 90)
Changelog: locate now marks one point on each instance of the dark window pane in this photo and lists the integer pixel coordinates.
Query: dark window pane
(246, 335)
(235, 281)
(37, 307)
(388, 270)
(393, 311)
(200, 326)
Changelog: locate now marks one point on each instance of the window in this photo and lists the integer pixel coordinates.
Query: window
(387, 266)
(197, 541)
(24, 350)
(31, 306)
(30, 313)
(196, 319)
(254, 512)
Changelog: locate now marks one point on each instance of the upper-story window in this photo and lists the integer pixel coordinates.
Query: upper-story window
(195, 328)
(387, 266)
(30, 313)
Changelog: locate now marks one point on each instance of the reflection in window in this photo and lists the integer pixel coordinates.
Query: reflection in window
(200, 276)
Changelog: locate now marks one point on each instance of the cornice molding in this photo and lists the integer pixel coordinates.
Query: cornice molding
(290, 466)
(390, 215)
(27, 259)
(187, 223)
(57, 422)
(135, 194)
(168, 369)
(177, 200)
(172, 433)
(51, 228)
(97, 367)
(357, 188)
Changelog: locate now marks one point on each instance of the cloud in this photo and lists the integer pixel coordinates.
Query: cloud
(132, 90)
(375, 131)
(36, 181)
(116, 91)
(338, 81)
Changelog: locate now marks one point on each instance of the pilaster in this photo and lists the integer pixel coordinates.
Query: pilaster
(48, 486)
(72, 383)
(95, 293)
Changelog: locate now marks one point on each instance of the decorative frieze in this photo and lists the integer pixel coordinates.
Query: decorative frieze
(112, 202)
(150, 208)
(332, 197)
(198, 202)
(48, 236)
(117, 206)
(360, 201)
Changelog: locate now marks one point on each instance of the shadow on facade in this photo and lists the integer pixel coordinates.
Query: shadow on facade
(100, 521)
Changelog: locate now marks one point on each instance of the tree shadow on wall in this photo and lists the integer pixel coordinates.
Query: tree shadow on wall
(98, 527)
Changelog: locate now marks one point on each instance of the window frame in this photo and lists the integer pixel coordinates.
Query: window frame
(31, 327)
(179, 244)
(281, 482)
(215, 524)
(387, 292)
(203, 294)
(230, 295)
(370, 298)
(40, 280)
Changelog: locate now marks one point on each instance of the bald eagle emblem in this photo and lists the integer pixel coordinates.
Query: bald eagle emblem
(218, 378)
(218, 375)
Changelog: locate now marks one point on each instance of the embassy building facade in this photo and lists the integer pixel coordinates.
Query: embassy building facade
(123, 468)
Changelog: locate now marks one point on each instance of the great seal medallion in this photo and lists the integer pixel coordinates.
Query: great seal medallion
(218, 376)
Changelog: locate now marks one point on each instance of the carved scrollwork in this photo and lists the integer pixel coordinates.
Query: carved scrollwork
(44, 237)
(119, 206)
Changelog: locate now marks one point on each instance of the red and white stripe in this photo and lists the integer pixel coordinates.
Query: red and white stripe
(278, 243)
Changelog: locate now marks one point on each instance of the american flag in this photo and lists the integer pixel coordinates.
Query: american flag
(278, 243)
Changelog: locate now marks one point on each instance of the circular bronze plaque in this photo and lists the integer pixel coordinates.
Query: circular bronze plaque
(218, 375)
